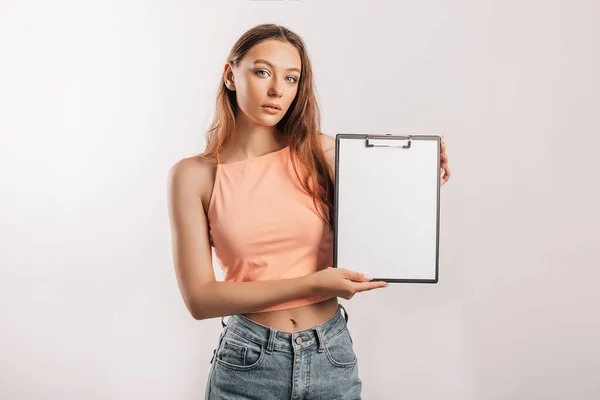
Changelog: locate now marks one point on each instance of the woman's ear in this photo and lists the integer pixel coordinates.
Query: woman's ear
(230, 85)
(229, 78)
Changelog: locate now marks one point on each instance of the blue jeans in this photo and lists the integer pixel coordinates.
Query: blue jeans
(254, 361)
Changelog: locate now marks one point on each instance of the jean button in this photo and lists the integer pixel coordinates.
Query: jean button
(298, 340)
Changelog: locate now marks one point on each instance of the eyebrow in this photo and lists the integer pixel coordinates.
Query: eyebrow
(260, 60)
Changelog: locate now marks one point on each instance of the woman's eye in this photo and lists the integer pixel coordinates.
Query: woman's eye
(294, 80)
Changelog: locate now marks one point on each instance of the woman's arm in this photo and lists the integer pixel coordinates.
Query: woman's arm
(218, 299)
(204, 297)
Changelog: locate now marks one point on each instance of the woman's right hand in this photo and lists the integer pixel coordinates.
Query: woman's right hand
(342, 282)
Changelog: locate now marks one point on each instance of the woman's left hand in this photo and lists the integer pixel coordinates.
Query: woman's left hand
(445, 171)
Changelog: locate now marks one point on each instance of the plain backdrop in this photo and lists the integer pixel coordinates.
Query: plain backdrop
(99, 98)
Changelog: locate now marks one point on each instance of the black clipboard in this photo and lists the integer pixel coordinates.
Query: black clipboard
(387, 206)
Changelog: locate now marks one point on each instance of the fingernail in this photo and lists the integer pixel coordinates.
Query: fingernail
(367, 277)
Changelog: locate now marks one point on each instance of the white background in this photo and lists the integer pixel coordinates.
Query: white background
(98, 99)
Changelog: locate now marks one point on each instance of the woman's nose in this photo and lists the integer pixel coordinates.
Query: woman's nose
(276, 88)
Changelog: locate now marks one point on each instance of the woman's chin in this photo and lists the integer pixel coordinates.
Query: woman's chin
(269, 120)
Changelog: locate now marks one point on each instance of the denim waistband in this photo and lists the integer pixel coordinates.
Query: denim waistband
(273, 339)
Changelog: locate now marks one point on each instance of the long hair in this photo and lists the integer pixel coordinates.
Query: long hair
(300, 125)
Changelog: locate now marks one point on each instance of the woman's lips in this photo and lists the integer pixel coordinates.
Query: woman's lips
(271, 110)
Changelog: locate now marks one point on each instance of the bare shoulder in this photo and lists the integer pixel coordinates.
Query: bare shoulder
(194, 176)
(328, 144)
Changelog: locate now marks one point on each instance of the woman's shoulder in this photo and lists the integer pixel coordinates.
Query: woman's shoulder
(197, 166)
(194, 174)
(328, 144)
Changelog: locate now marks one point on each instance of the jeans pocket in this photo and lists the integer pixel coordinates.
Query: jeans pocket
(237, 352)
(340, 351)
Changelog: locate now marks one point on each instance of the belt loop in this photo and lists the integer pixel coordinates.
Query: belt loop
(321, 347)
(271, 341)
(345, 312)
(222, 335)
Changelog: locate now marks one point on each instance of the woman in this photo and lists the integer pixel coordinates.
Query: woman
(260, 194)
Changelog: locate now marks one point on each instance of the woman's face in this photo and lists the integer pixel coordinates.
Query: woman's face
(268, 73)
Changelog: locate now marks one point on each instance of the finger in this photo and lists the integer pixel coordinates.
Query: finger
(362, 286)
(376, 286)
(446, 176)
(357, 276)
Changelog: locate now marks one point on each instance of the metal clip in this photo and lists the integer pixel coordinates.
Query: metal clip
(388, 136)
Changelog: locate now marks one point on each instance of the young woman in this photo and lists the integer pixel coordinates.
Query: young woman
(261, 195)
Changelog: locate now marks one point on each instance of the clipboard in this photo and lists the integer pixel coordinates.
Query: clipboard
(387, 206)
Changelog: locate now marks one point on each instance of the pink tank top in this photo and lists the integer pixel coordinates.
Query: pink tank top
(263, 226)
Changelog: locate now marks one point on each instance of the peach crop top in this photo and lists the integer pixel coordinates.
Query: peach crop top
(263, 225)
